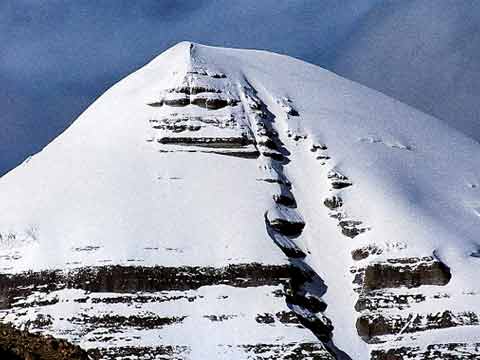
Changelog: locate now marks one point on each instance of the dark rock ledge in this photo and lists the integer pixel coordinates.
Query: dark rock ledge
(124, 279)
(406, 272)
(370, 326)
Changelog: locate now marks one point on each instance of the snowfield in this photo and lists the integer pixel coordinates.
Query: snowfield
(178, 165)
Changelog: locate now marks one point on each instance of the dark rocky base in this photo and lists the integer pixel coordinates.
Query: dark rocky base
(22, 345)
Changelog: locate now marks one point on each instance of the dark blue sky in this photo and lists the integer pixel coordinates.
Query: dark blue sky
(57, 56)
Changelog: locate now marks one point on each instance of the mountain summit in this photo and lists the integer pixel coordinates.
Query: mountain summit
(238, 204)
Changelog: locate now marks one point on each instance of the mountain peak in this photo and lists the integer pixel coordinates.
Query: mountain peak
(212, 178)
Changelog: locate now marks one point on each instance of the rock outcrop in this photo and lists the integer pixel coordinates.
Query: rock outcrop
(229, 204)
(114, 311)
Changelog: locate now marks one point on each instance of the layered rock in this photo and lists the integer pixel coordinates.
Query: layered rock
(116, 313)
(221, 204)
(267, 310)
(393, 312)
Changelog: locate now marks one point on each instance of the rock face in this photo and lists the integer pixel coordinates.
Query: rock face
(409, 272)
(18, 345)
(122, 306)
(388, 296)
(228, 204)
(371, 326)
(284, 220)
(154, 312)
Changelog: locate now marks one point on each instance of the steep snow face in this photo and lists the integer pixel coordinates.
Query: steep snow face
(425, 53)
(209, 157)
(110, 186)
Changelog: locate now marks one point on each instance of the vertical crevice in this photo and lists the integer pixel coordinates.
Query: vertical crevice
(284, 225)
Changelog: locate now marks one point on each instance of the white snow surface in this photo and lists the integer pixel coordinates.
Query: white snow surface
(70, 319)
(102, 183)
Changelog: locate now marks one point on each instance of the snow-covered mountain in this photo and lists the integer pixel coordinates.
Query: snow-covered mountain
(238, 204)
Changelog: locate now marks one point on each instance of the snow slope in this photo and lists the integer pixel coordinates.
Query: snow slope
(172, 167)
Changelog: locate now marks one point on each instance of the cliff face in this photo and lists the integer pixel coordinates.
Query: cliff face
(224, 203)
